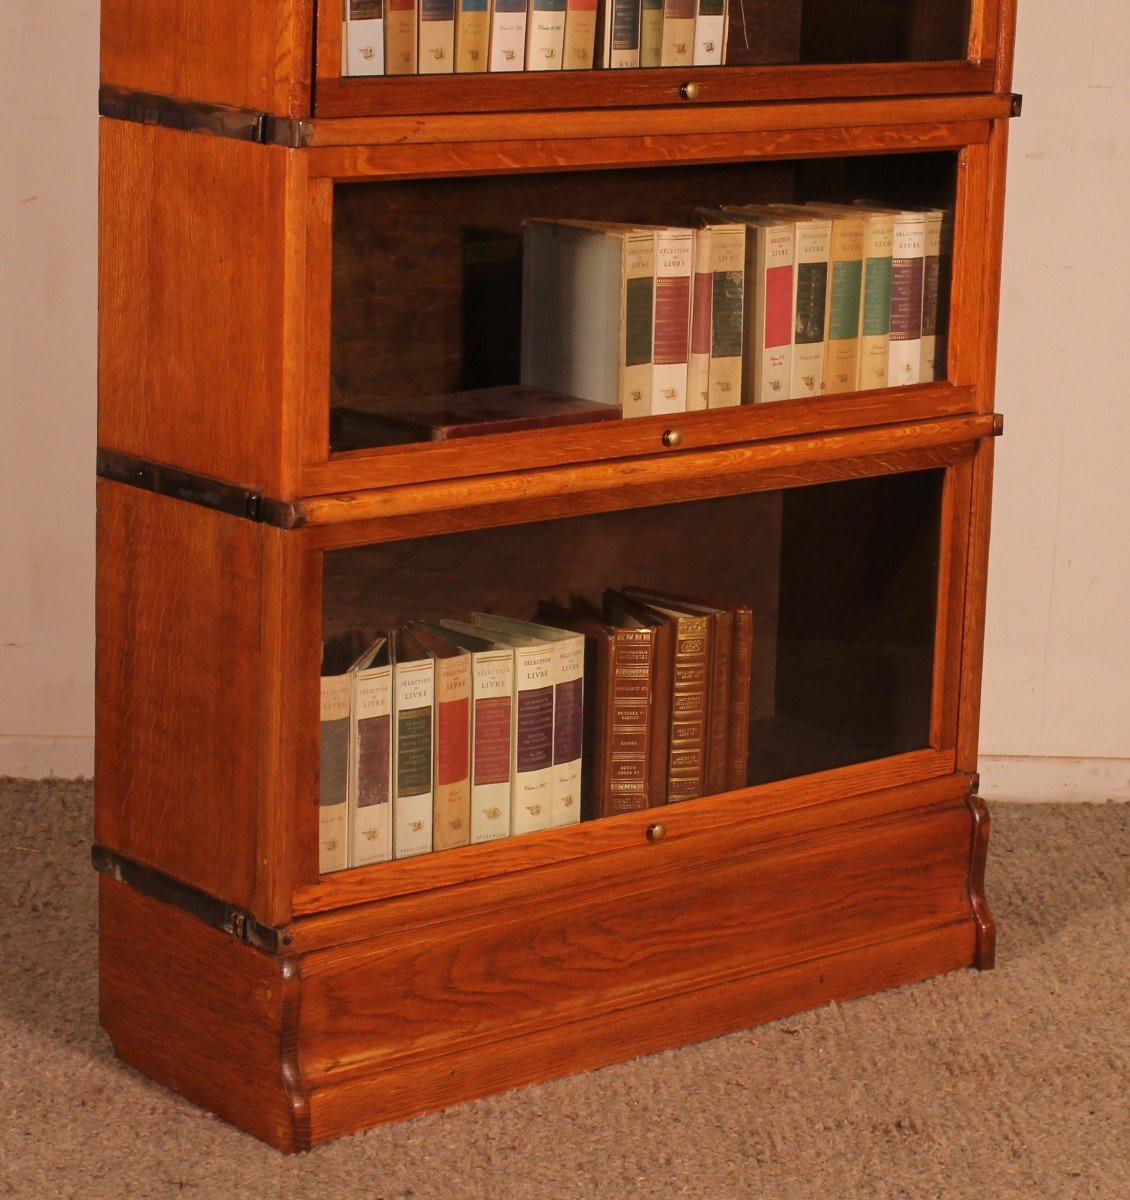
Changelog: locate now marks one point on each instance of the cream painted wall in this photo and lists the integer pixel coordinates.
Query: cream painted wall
(48, 226)
(1058, 649)
(1057, 664)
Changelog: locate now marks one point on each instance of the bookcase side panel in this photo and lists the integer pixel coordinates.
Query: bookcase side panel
(255, 54)
(181, 710)
(198, 286)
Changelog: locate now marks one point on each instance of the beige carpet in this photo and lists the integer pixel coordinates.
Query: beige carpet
(1006, 1084)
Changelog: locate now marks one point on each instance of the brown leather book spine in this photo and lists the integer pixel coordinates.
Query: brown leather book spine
(718, 708)
(663, 662)
(737, 757)
(690, 687)
(625, 787)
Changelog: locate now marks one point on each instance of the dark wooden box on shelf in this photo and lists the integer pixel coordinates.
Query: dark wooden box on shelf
(246, 293)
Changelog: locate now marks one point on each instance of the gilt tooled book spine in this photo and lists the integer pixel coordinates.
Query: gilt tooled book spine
(472, 36)
(532, 739)
(413, 699)
(725, 378)
(545, 35)
(364, 37)
(580, 35)
(686, 771)
(508, 35)
(638, 318)
(625, 786)
(401, 37)
(492, 690)
(718, 727)
(452, 803)
(875, 317)
(737, 760)
(333, 835)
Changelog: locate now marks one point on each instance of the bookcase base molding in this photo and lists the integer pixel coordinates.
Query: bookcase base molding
(412, 1004)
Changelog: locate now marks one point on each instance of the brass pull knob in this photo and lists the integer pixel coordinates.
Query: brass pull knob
(656, 832)
(689, 91)
(672, 437)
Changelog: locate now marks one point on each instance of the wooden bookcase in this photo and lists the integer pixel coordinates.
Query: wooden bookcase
(277, 241)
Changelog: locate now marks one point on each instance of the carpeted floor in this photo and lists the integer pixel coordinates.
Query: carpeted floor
(1007, 1084)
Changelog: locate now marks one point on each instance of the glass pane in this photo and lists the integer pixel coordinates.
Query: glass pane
(840, 580)
(428, 286)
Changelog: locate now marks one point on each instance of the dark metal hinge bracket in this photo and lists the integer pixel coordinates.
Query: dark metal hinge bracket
(236, 923)
(200, 489)
(1017, 104)
(219, 120)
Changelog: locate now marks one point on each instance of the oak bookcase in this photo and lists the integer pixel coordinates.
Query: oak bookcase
(277, 242)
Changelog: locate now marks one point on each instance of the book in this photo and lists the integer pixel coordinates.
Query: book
(904, 362)
(618, 715)
(364, 37)
(472, 36)
(741, 680)
(677, 46)
(845, 290)
(580, 35)
(725, 376)
(702, 303)
(813, 233)
(875, 306)
(413, 683)
(545, 35)
(770, 273)
(369, 798)
(619, 33)
(651, 33)
(568, 705)
(508, 35)
(690, 673)
(715, 625)
(333, 776)
(451, 724)
(671, 319)
(436, 53)
(531, 728)
(587, 311)
(931, 292)
(492, 698)
(709, 33)
(464, 414)
(401, 34)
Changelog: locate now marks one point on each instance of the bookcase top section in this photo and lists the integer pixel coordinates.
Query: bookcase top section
(283, 58)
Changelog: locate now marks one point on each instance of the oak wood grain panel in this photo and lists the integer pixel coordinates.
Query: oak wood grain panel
(976, 589)
(361, 97)
(357, 905)
(506, 156)
(457, 127)
(996, 159)
(631, 495)
(1006, 45)
(196, 279)
(653, 936)
(628, 1033)
(356, 470)
(254, 54)
(509, 486)
(964, 350)
(182, 717)
(202, 1014)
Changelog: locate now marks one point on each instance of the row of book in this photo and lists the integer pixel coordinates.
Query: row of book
(462, 732)
(757, 303)
(433, 37)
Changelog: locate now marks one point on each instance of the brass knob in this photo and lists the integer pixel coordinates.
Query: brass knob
(689, 91)
(672, 437)
(656, 832)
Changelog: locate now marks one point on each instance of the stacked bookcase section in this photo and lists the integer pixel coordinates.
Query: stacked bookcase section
(501, 672)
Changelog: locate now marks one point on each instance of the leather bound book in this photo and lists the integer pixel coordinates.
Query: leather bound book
(618, 717)
(719, 667)
(741, 662)
(413, 683)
